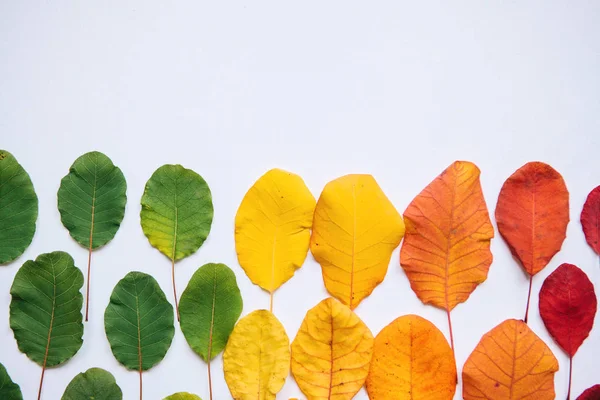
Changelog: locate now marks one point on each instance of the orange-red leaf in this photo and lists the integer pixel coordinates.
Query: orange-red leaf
(592, 393)
(532, 214)
(590, 219)
(568, 306)
(446, 249)
(510, 362)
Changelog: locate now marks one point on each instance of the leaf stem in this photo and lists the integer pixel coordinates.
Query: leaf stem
(41, 381)
(174, 289)
(140, 383)
(209, 380)
(570, 377)
(528, 298)
(451, 334)
(271, 301)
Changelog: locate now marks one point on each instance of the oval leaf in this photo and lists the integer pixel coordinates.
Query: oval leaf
(8, 389)
(182, 396)
(331, 352)
(95, 383)
(592, 393)
(256, 361)
(45, 310)
(139, 322)
(446, 251)
(272, 228)
(510, 362)
(568, 306)
(411, 360)
(532, 214)
(91, 200)
(590, 219)
(355, 230)
(210, 306)
(177, 211)
(18, 208)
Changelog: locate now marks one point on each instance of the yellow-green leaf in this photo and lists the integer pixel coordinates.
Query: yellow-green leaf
(272, 228)
(355, 230)
(182, 396)
(256, 361)
(331, 352)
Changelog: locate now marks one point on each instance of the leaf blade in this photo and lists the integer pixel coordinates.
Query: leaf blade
(256, 360)
(345, 242)
(95, 383)
(331, 352)
(8, 389)
(510, 361)
(272, 228)
(18, 208)
(446, 250)
(182, 396)
(590, 219)
(592, 393)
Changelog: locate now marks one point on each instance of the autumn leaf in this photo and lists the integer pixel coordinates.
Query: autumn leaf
(355, 230)
(272, 229)
(532, 216)
(182, 396)
(568, 306)
(45, 310)
(210, 306)
(256, 361)
(331, 352)
(139, 323)
(96, 384)
(18, 208)
(411, 360)
(91, 201)
(510, 362)
(8, 389)
(177, 213)
(592, 393)
(590, 219)
(446, 250)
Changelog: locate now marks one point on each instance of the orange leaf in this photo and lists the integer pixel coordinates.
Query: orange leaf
(510, 362)
(532, 214)
(411, 360)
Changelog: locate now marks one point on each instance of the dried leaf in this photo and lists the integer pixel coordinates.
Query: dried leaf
(590, 219)
(256, 361)
(592, 393)
(355, 230)
(446, 250)
(8, 389)
(139, 323)
(182, 396)
(177, 213)
(532, 214)
(272, 228)
(96, 384)
(411, 360)
(91, 201)
(45, 310)
(331, 352)
(18, 208)
(510, 362)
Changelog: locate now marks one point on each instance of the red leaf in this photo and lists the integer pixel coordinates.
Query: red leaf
(590, 219)
(533, 213)
(592, 393)
(568, 306)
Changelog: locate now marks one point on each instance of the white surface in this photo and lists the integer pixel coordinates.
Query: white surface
(396, 89)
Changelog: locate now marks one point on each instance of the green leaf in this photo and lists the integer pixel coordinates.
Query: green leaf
(18, 208)
(91, 200)
(139, 322)
(210, 306)
(45, 310)
(182, 396)
(95, 383)
(177, 213)
(8, 389)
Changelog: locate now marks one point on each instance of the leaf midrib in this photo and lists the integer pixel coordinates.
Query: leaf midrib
(51, 316)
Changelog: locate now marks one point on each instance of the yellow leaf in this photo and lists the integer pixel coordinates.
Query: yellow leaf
(272, 228)
(510, 362)
(256, 361)
(331, 352)
(411, 360)
(355, 230)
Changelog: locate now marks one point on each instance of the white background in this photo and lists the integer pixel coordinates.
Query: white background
(395, 89)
